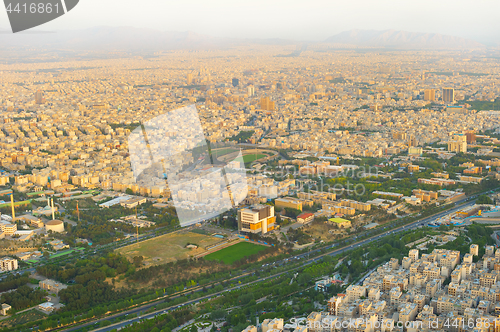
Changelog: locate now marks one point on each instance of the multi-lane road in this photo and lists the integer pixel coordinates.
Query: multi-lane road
(303, 257)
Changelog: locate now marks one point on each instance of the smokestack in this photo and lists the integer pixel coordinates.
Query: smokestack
(52, 208)
(12, 204)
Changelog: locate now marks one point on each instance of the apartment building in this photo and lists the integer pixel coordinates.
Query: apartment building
(8, 264)
(288, 202)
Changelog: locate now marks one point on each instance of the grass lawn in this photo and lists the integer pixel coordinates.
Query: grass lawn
(22, 318)
(66, 253)
(169, 247)
(231, 254)
(338, 220)
(248, 158)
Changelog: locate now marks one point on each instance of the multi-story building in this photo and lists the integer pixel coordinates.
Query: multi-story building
(52, 285)
(458, 143)
(8, 264)
(305, 217)
(267, 104)
(7, 228)
(288, 202)
(429, 95)
(272, 325)
(256, 219)
(448, 95)
(334, 304)
(474, 249)
(38, 97)
(413, 254)
(354, 292)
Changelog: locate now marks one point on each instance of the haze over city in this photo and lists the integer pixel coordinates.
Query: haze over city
(296, 20)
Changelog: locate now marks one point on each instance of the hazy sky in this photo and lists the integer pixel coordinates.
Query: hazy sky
(300, 20)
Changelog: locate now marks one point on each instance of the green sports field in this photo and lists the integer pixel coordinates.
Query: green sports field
(338, 220)
(248, 158)
(235, 252)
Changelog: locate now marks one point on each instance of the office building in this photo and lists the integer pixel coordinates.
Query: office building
(256, 219)
(430, 95)
(39, 97)
(250, 90)
(266, 104)
(458, 143)
(471, 137)
(235, 82)
(448, 95)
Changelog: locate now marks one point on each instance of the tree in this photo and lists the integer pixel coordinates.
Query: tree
(218, 314)
(304, 278)
(129, 191)
(484, 199)
(138, 261)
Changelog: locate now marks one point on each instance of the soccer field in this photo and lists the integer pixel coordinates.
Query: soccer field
(235, 252)
(248, 158)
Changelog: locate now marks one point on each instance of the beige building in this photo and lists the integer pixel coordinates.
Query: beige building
(354, 292)
(272, 325)
(288, 202)
(429, 95)
(8, 264)
(5, 308)
(55, 225)
(7, 228)
(458, 143)
(52, 285)
(256, 219)
(474, 249)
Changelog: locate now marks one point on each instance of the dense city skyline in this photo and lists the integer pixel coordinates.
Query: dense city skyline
(286, 166)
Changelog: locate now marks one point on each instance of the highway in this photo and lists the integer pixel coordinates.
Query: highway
(139, 310)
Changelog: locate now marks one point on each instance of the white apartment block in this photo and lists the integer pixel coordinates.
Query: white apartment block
(8, 264)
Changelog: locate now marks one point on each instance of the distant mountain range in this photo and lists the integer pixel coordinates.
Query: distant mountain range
(113, 39)
(128, 39)
(402, 40)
